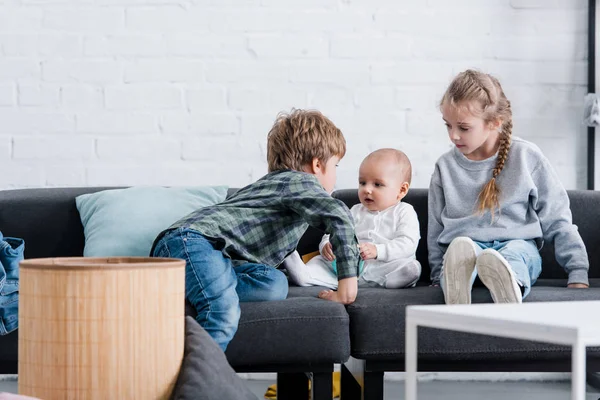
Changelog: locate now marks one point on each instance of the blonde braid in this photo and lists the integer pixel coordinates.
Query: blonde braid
(489, 196)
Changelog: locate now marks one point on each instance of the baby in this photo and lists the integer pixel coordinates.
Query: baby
(387, 230)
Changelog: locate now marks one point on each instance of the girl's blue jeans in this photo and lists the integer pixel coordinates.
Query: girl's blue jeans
(214, 286)
(523, 257)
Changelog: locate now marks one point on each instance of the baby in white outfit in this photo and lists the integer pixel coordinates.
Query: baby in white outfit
(387, 230)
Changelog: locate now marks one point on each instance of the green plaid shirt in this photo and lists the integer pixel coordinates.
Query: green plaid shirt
(263, 222)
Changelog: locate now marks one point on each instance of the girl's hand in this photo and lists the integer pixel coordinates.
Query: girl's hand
(577, 285)
(367, 251)
(327, 252)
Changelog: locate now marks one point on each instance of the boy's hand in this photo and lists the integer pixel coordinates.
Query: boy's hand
(367, 251)
(346, 293)
(327, 252)
(578, 285)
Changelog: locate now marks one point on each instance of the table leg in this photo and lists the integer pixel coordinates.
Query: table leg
(411, 361)
(578, 372)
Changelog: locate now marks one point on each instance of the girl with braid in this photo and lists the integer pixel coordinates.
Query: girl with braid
(493, 200)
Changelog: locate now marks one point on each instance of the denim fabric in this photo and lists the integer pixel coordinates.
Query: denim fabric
(11, 253)
(523, 257)
(214, 286)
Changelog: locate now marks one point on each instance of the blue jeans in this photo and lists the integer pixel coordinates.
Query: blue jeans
(11, 253)
(523, 257)
(214, 286)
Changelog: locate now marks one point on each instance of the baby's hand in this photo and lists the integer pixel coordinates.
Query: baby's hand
(327, 252)
(578, 285)
(367, 251)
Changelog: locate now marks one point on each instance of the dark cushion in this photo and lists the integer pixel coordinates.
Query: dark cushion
(299, 330)
(47, 219)
(205, 373)
(378, 323)
(584, 207)
(583, 204)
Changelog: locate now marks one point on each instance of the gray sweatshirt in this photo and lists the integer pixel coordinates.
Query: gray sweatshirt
(533, 205)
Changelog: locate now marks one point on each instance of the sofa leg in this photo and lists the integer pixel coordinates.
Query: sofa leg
(322, 385)
(357, 383)
(373, 386)
(293, 386)
(350, 389)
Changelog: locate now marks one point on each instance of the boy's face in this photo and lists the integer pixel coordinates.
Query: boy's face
(380, 184)
(326, 174)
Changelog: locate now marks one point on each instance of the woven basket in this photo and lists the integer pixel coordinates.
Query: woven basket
(100, 328)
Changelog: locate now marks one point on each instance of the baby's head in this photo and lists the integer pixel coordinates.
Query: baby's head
(306, 140)
(383, 179)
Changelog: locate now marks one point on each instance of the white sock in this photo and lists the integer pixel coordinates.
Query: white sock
(297, 272)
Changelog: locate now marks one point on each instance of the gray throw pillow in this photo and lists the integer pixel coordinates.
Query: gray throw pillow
(205, 373)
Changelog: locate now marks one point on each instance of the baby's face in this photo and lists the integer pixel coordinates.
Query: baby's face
(379, 184)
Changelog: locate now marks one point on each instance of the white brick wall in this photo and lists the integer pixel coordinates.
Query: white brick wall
(126, 92)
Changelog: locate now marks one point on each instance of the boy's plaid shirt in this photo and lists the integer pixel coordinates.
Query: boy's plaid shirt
(263, 222)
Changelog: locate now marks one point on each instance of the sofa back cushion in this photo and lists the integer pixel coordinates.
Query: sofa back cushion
(47, 219)
(49, 222)
(584, 207)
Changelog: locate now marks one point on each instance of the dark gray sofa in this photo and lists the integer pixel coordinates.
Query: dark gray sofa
(299, 338)
(377, 317)
(305, 336)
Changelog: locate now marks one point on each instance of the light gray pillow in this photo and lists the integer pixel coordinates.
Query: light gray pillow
(205, 373)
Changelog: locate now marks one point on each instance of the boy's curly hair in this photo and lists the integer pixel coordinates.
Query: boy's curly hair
(299, 136)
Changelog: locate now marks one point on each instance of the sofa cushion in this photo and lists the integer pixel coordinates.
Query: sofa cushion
(299, 330)
(205, 373)
(581, 202)
(378, 324)
(125, 222)
(52, 212)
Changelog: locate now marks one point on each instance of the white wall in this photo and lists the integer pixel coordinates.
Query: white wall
(183, 92)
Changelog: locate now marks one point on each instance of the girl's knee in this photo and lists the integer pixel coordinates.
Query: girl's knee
(520, 246)
(460, 239)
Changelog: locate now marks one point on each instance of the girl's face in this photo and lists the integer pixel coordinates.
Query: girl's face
(471, 135)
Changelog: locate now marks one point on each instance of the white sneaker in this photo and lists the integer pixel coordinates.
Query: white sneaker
(459, 263)
(497, 275)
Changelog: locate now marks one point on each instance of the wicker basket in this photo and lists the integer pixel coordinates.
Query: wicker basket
(100, 328)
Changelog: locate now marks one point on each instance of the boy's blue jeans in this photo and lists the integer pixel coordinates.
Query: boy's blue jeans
(214, 286)
(523, 257)
(11, 253)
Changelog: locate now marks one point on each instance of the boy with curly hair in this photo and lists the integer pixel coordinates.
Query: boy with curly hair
(232, 249)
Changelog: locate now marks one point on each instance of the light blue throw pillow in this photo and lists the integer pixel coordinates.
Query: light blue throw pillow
(125, 222)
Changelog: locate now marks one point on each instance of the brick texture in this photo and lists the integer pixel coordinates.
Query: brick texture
(126, 92)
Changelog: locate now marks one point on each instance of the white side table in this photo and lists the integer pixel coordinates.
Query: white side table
(571, 323)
